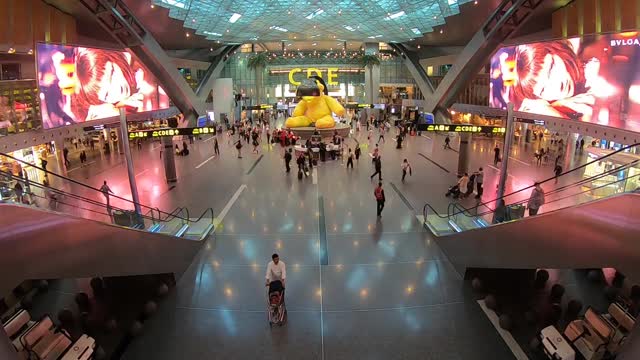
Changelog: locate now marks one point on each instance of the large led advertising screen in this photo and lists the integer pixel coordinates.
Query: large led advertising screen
(592, 79)
(79, 84)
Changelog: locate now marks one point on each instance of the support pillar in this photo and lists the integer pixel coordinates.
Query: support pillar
(372, 77)
(169, 160)
(463, 154)
(508, 141)
(127, 155)
(59, 144)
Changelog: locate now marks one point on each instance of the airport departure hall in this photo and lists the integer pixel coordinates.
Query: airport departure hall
(215, 179)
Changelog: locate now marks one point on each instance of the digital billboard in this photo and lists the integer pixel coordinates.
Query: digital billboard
(79, 84)
(592, 79)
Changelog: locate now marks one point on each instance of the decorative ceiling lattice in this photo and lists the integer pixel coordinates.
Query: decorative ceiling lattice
(229, 21)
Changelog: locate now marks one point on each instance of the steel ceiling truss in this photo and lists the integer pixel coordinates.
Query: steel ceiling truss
(116, 18)
(205, 85)
(503, 23)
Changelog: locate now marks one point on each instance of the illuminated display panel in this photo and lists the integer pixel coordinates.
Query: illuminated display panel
(80, 84)
(594, 79)
(142, 134)
(481, 129)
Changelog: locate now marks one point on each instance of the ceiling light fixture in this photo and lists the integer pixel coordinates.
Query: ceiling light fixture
(234, 17)
(416, 31)
(278, 28)
(375, 36)
(211, 33)
(187, 34)
(314, 44)
(396, 15)
(153, 6)
(314, 14)
(30, 52)
(11, 51)
(441, 31)
(348, 27)
(418, 46)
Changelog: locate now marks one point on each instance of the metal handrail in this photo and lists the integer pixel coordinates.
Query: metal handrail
(562, 174)
(78, 183)
(465, 211)
(66, 194)
(203, 213)
(425, 213)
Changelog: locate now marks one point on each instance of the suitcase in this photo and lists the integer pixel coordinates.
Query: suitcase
(299, 174)
(82, 349)
(17, 323)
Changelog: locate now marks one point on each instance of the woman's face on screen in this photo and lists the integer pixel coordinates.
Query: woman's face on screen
(554, 81)
(114, 86)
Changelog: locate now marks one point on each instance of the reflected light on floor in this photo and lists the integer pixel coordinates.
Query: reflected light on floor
(356, 243)
(319, 292)
(228, 291)
(364, 293)
(339, 267)
(409, 290)
(215, 264)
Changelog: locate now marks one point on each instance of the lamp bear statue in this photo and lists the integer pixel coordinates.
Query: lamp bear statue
(315, 106)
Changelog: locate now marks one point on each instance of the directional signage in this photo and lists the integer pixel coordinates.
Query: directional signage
(143, 134)
(481, 129)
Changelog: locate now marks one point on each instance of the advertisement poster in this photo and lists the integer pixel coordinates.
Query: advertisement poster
(79, 84)
(592, 79)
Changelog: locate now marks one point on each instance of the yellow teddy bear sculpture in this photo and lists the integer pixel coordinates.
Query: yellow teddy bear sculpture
(315, 106)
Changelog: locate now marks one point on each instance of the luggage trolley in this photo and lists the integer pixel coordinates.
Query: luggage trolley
(275, 304)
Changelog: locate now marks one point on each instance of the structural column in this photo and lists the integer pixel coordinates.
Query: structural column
(463, 154)
(374, 77)
(169, 159)
(508, 141)
(59, 143)
(127, 155)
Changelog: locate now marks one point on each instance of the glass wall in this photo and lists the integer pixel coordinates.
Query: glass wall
(348, 76)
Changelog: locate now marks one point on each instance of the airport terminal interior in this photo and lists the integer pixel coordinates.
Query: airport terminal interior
(429, 179)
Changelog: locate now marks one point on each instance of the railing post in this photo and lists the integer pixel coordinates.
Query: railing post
(508, 141)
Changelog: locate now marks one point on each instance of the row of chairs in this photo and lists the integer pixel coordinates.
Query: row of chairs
(43, 340)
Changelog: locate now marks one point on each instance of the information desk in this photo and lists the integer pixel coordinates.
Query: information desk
(143, 134)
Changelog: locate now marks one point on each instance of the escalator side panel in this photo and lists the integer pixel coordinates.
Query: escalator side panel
(603, 233)
(40, 244)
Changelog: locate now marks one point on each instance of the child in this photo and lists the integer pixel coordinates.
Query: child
(405, 167)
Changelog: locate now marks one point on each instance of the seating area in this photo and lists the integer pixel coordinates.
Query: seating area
(591, 322)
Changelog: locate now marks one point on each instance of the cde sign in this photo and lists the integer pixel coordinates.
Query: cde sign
(332, 74)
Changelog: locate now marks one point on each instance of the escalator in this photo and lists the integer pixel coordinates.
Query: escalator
(582, 226)
(67, 231)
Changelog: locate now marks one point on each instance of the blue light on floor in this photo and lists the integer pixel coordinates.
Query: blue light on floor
(229, 322)
(431, 277)
(356, 279)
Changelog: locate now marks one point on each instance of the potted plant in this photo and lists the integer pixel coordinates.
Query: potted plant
(369, 61)
(258, 62)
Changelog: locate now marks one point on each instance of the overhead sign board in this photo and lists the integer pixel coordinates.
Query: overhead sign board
(481, 129)
(143, 134)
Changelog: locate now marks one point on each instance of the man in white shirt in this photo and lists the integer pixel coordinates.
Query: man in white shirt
(276, 271)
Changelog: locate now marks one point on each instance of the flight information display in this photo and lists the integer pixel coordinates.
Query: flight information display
(143, 134)
(481, 129)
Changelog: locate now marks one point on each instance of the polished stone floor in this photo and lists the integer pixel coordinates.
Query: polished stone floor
(357, 287)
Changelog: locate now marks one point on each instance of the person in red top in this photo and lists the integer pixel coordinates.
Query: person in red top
(379, 194)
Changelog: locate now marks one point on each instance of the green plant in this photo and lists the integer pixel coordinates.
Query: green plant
(258, 62)
(369, 61)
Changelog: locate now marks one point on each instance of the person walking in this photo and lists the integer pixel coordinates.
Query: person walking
(255, 142)
(43, 163)
(276, 274)
(479, 182)
(378, 193)
(287, 159)
(268, 135)
(406, 167)
(238, 145)
(536, 200)
(447, 142)
(350, 159)
(216, 147)
(301, 161)
(557, 171)
(357, 152)
(377, 162)
(496, 155)
(581, 145)
(106, 190)
(65, 155)
(463, 183)
(381, 136)
(139, 144)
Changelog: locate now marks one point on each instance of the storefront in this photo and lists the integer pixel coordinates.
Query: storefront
(627, 178)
